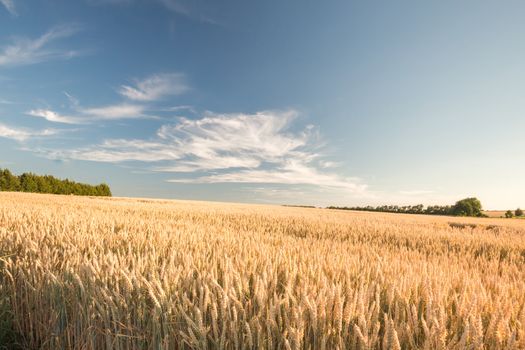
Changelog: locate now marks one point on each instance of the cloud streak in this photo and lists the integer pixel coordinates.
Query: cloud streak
(25, 51)
(291, 173)
(9, 6)
(89, 115)
(19, 134)
(117, 111)
(155, 87)
(226, 148)
(192, 9)
(84, 115)
(53, 116)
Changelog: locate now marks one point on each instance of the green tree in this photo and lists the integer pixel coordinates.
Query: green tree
(518, 212)
(103, 190)
(8, 181)
(467, 207)
(509, 214)
(29, 182)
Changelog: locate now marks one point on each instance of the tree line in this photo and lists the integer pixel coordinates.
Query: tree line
(465, 207)
(29, 182)
(518, 213)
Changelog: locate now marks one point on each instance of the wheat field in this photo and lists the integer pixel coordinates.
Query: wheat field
(93, 273)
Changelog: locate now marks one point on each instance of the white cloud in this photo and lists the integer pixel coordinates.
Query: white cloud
(24, 51)
(117, 111)
(88, 115)
(119, 151)
(53, 116)
(10, 6)
(292, 173)
(187, 108)
(155, 87)
(23, 134)
(328, 164)
(217, 141)
(218, 148)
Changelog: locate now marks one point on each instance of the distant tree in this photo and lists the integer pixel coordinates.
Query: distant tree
(464, 207)
(103, 190)
(418, 209)
(509, 214)
(8, 181)
(29, 182)
(518, 212)
(467, 207)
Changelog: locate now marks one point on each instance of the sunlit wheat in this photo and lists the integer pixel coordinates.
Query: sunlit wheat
(93, 273)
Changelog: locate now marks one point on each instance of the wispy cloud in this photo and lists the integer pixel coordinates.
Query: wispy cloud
(73, 101)
(89, 115)
(192, 9)
(235, 140)
(177, 6)
(188, 108)
(19, 134)
(293, 172)
(219, 148)
(302, 195)
(117, 111)
(119, 150)
(54, 117)
(155, 87)
(10, 6)
(25, 51)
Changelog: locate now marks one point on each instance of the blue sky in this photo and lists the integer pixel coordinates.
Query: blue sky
(307, 102)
